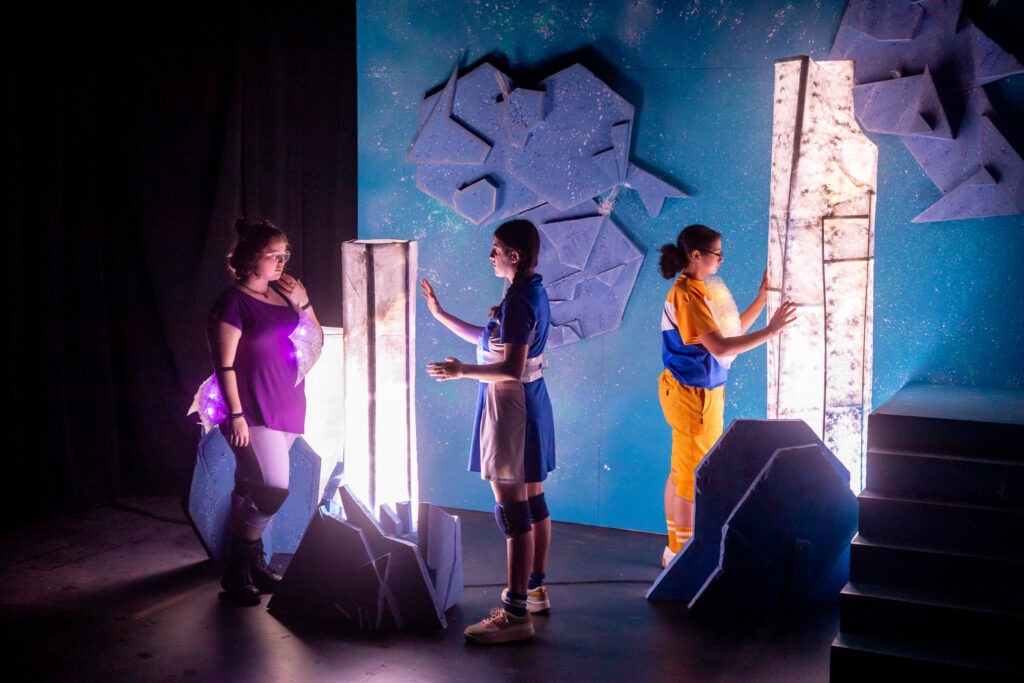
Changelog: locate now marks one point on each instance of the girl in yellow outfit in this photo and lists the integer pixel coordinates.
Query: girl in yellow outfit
(692, 386)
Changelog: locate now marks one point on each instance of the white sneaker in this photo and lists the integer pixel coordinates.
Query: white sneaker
(500, 627)
(666, 557)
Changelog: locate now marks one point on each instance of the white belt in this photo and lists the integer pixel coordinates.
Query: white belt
(534, 366)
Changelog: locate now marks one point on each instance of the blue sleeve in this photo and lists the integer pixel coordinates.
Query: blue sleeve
(517, 321)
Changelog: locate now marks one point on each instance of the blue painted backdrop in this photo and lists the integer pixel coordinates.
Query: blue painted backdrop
(700, 75)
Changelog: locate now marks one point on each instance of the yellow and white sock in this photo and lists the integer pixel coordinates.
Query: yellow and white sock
(683, 536)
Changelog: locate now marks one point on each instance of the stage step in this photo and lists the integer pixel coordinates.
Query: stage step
(936, 567)
(860, 658)
(963, 421)
(950, 526)
(901, 565)
(905, 615)
(946, 477)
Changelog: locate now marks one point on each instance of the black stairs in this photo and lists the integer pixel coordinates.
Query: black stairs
(937, 566)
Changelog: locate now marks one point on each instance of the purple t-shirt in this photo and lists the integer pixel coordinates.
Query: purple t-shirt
(265, 363)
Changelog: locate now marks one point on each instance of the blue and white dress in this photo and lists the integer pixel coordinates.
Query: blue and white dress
(514, 433)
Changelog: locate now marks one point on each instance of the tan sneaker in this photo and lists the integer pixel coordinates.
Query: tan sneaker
(500, 627)
(536, 599)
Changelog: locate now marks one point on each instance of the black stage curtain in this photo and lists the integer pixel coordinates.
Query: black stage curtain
(134, 139)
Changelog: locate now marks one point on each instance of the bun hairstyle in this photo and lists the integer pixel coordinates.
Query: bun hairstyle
(522, 236)
(253, 239)
(676, 257)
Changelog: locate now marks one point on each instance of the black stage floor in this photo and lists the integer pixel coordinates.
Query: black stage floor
(125, 592)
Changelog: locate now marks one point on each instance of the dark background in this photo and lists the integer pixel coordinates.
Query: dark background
(133, 139)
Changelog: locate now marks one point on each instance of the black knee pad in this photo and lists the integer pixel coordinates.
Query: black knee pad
(538, 508)
(267, 499)
(513, 518)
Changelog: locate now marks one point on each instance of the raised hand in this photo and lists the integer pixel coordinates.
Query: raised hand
(451, 368)
(432, 303)
(783, 317)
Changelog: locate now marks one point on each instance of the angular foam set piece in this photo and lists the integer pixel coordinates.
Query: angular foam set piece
(589, 268)
(562, 144)
(493, 151)
(920, 68)
(209, 497)
(773, 522)
(354, 571)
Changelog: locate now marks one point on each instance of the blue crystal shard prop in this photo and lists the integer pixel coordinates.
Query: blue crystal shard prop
(774, 516)
(919, 68)
(209, 497)
(367, 575)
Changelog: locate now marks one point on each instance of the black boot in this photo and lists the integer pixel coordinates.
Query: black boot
(265, 578)
(238, 581)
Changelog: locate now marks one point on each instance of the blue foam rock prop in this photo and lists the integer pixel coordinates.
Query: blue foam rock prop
(209, 497)
(351, 570)
(589, 268)
(562, 144)
(289, 523)
(782, 539)
(920, 67)
(723, 483)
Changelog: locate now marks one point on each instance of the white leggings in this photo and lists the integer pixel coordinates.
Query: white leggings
(261, 480)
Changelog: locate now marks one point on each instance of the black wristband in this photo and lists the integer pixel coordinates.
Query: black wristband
(308, 304)
(226, 368)
(234, 415)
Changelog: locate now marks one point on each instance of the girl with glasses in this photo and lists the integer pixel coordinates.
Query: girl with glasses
(696, 355)
(257, 368)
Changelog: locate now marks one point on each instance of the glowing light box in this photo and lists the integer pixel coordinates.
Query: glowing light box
(821, 256)
(325, 404)
(378, 299)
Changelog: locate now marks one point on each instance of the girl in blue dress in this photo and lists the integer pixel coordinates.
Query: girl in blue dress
(513, 436)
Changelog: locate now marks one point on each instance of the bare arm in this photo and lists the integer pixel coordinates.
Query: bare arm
(463, 329)
(730, 346)
(223, 341)
(748, 316)
(511, 367)
(293, 290)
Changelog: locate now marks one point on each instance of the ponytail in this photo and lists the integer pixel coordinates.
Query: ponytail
(676, 257)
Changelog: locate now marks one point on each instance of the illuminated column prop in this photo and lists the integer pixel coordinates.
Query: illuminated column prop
(379, 303)
(325, 404)
(821, 256)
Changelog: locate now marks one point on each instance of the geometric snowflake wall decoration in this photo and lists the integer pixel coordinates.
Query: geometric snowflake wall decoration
(492, 151)
(920, 68)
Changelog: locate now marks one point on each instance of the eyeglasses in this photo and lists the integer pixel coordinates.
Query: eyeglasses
(281, 256)
(719, 254)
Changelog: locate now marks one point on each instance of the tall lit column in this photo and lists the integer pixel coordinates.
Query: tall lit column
(379, 303)
(821, 256)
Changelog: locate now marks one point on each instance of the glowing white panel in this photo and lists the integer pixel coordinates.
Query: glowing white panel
(325, 403)
(379, 302)
(821, 256)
